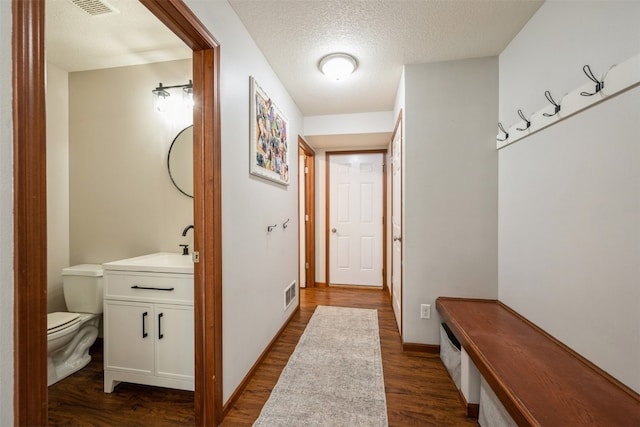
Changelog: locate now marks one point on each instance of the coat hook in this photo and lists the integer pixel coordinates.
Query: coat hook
(555, 104)
(599, 84)
(521, 114)
(284, 225)
(506, 134)
(271, 227)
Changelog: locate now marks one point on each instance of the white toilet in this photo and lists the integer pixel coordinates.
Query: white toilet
(69, 335)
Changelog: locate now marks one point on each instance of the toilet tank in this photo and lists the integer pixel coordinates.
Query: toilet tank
(82, 286)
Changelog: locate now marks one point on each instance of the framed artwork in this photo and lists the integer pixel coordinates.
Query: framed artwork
(269, 129)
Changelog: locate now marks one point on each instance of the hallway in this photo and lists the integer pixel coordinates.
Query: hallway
(419, 391)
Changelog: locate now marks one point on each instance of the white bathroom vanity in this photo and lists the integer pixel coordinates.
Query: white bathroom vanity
(149, 321)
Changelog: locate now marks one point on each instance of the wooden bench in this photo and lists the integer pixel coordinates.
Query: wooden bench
(538, 380)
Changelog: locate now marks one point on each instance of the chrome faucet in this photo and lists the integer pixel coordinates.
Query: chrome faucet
(184, 232)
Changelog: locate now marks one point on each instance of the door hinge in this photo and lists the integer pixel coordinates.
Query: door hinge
(195, 257)
(306, 265)
(306, 169)
(306, 217)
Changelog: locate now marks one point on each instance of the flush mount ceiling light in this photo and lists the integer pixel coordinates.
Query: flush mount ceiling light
(338, 66)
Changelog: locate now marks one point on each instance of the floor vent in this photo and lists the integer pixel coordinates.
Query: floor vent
(290, 294)
(95, 7)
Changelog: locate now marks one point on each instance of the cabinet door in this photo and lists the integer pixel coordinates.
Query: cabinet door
(174, 341)
(129, 335)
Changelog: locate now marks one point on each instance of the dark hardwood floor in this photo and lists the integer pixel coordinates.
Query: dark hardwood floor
(419, 391)
(79, 400)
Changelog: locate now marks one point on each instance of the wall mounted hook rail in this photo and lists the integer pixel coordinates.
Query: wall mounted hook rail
(506, 134)
(527, 122)
(284, 224)
(599, 84)
(547, 94)
(271, 227)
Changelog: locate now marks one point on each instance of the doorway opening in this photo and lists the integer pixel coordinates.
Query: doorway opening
(395, 212)
(307, 209)
(30, 213)
(355, 232)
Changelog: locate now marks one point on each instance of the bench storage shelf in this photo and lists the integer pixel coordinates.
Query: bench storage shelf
(538, 380)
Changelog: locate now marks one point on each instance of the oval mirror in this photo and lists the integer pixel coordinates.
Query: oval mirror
(180, 161)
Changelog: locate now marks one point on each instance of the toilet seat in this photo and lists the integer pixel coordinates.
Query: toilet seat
(61, 320)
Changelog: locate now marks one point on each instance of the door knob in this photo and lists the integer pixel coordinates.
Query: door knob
(333, 230)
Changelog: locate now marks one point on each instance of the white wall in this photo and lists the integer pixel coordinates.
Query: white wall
(569, 227)
(551, 49)
(57, 184)
(450, 206)
(357, 131)
(6, 219)
(340, 124)
(256, 266)
(122, 200)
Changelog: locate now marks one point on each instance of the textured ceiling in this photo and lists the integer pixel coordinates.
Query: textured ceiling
(382, 34)
(295, 34)
(77, 41)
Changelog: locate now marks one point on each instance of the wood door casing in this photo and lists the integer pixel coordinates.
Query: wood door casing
(30, 215)
(355, 219)
(328, 155)
(310, 207)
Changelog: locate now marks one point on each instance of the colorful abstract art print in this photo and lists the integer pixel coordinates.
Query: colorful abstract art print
(269, 137)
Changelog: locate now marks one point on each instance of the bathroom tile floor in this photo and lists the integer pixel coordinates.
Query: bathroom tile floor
(80, 400)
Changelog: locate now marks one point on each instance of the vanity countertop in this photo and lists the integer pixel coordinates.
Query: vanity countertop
(160, 262)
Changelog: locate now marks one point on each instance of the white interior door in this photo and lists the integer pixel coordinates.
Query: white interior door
(396, 226)
(355, 219)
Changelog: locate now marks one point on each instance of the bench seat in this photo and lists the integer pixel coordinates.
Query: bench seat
(540, 381)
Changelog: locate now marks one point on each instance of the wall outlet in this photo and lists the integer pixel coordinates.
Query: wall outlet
(425, 311)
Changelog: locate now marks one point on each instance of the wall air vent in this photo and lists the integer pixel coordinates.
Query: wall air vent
(95, 7)
(290, 294)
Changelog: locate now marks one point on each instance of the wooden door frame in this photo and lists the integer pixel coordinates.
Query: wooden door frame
(327, 194)
(30, 209)
(310, 209)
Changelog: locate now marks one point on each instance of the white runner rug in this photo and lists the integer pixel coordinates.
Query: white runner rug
(334, 376)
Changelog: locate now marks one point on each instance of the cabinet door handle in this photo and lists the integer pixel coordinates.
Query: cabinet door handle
(144, 328)
(148, 288)
(160, 335)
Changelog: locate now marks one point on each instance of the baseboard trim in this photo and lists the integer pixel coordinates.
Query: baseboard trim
(422, 348)
(472, 409)
(321, 285)
(245, 381)
(361, 287)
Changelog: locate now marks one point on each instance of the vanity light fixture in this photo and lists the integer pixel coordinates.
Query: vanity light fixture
(338, 66)
(187, 95)
(161, 93)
